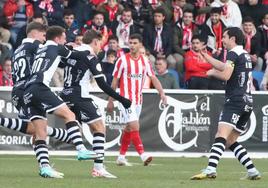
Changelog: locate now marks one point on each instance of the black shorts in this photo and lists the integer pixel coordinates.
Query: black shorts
(40, 100)
(85, 109)
(236, 113)
(18, 102)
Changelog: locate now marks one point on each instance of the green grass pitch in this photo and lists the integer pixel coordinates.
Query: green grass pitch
(20, 171)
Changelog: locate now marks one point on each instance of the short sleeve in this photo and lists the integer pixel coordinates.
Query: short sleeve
(94, 66)
(64, 51)
(231, 58)
(118, 68)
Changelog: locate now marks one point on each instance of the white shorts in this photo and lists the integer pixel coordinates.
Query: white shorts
(130, 114)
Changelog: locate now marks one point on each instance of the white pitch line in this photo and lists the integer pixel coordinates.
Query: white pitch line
(234, 172)
(113, 162)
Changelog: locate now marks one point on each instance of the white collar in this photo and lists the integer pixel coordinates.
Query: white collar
(86, 47)
(238, 47)
(30, 40)
(50, 42)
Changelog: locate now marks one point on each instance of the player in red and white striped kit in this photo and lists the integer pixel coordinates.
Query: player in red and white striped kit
(130, 72)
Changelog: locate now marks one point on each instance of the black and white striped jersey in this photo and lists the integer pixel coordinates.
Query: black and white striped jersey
(79, 72)
(22, 60)
(46, 62)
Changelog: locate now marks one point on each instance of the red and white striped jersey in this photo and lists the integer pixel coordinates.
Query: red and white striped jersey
(131, 74)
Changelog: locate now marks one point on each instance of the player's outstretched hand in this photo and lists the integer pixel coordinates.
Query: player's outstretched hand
(163, 99)
(126, 103)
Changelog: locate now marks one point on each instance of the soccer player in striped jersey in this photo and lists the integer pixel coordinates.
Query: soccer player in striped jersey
(76, 93)
(21, 65)
(238, 104)
(39, 100)
(130, 72)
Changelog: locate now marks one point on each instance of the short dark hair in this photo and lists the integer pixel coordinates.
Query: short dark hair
(35, 26)
(248, 19)
(54, 31)
(188, 11)
(136, 36)
(90, 35)
(38, 15)
(160, 10)
(127, 9)
(161, 58)
(111, 52)
(216, 10)
(98, 12)
(264, 15)
(200, 37)
(113, 37)
(236, 33)
(68, 12)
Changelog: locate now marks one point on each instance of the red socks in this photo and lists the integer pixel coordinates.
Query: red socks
(136, 140)
(126, 139)
(133, 136)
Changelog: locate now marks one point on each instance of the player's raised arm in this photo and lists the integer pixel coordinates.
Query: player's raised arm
(222, 71)
(95, 68)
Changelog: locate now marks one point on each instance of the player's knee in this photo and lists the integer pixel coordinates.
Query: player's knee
(221, 133)
(70, 116)
(30, 129)
(98, 127)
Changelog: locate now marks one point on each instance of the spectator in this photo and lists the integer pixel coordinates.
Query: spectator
(6, 77)
(231, 15)
(178, 6)
(201, 10)
(166, 79)
(265, 2)
(83, 10)
(108, 65)
(70, 25)
(5, 50)
(255, 10)
(264, 82)
(111, 10)
(4, 29)
(112, 45)
(165, 5)
(98, 24)
(17, 13)
(78, 40)
(182, 36)
(196, 66)
(140, 12)
(147, 81)
(263, 29)
(37, 17)
(157, 37)
(252, 42)
(124, 27)
(51, 9)
(213, 30)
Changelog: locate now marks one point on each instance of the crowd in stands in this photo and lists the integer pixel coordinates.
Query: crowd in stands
(174, 32)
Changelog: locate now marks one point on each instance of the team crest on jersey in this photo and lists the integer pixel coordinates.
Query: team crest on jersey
(98, 67)
(45, 106)
(230, 62)
(84, 117)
